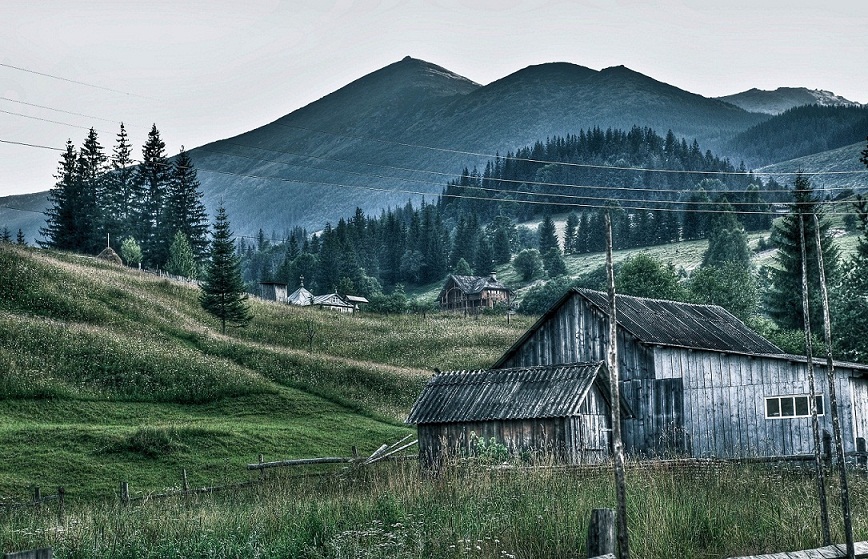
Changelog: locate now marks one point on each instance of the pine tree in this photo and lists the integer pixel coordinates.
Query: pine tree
(91, 168)
(222, 288)
(783, 299)
(6, 236)
(19, 239)
(122, 198)
(184, 210)
(727, 241)
(548, 236)
(153, 176)
(571, 233)
(60, 224)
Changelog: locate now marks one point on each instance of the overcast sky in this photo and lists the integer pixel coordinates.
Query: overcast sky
(210, 69)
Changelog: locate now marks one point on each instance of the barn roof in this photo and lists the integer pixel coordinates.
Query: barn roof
(499, 394)
(474, 284)
(667, 323)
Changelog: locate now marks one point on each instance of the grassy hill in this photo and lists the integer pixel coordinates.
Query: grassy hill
(107, 374)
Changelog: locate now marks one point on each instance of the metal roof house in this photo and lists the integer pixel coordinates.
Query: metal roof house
(466, 293)
(560, 411)
(700, 383)
(334, 302)
(301, 296)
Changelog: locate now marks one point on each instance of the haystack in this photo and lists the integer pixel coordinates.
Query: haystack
(110, 255)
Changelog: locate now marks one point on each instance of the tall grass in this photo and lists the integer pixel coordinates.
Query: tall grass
(393, 511)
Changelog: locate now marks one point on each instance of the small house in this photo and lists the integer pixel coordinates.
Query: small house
(301, 296)
(272, 291)
(356, 301)
(561, 412)
(333, 302)
(467, 293)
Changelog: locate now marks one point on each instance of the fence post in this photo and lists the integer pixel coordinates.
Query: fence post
(37, 497)
(185, 484)
(261, 470)
(601, 533)
(61, 494)
(827, 445)
(125, 492)
(862, 451)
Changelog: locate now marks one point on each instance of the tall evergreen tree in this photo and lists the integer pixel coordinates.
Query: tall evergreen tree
(19, 238)
(153, 176)
(548, 236)
(783, 299)
(60, 224)
(6, 236)
(91, 169)
(571, 233)
(184, 210)
(122, 198)
(223, 293)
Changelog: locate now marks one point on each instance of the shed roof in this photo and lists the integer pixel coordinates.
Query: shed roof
(355, 299)
(473, 284)
(667, 323)
(518, 393)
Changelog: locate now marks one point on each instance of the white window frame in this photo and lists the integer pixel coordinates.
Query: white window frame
(821, 405)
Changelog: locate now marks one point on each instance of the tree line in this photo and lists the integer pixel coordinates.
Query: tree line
(151, 211)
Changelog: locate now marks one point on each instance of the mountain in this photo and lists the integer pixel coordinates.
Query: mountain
(401, 132)
(25, 212)
(844, 161)
(784, 98)
(797, 132)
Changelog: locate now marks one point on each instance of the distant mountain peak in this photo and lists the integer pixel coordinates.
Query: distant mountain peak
(785, 98)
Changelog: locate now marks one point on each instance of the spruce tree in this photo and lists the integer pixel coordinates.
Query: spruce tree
(60, 224)
(121, 207)
(184, 210)
(548, 237)
(6, 236)
(91, 169)
(223, 293)
(19, 239)
(783, 298)
(152, 180)
(571, 233)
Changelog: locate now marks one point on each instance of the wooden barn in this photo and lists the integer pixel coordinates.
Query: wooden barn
(272, 291)
(468, 293)
(557, 411)
(699, 382)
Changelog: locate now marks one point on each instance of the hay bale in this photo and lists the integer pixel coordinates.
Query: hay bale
(110, 255)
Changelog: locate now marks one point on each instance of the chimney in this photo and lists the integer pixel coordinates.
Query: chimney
(493, 276)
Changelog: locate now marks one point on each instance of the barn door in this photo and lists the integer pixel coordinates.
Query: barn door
(859, 393)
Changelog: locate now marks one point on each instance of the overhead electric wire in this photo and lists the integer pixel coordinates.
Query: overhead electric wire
(77, 82)
(52, 121)
(29, 145)
(565, 163)
(115, 121)
(485, 179)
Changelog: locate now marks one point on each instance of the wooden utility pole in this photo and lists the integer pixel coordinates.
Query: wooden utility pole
(812, 400)
(617, 444)
(833, 399)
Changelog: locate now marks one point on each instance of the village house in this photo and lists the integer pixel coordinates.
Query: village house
(698, 381)
(301, 296)
(333, 302)
(468, 293)
(561, 411)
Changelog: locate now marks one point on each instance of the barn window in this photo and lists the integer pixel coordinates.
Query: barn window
(781, 407)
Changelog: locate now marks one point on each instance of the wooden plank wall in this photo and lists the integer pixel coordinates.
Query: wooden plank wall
(724, 403)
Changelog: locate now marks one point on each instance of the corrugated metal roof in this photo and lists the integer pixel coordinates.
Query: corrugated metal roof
(656, 321)
(332, 299)
(301, 297)
(498, 394)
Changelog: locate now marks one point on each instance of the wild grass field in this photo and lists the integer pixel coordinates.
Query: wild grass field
(109, 375)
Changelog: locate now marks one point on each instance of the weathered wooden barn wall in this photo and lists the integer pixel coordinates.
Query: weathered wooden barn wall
(580, 439)
(689, 398)
(724, 402)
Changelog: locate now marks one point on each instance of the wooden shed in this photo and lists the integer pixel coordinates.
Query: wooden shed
(272, 291)
(467, 293)
(700, 382)
(560, 412)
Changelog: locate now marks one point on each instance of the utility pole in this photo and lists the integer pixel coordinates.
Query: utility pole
(833, 399)
(812, 400)
(617, 444)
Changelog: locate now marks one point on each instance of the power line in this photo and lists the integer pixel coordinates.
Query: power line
(29, 145)
(564, 163)
(115, 121)
(68, 80)
(51, 121)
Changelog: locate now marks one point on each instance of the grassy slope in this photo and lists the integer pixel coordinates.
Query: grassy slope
(106, 374)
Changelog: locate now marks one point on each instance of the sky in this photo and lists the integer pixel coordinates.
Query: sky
(202, 70)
